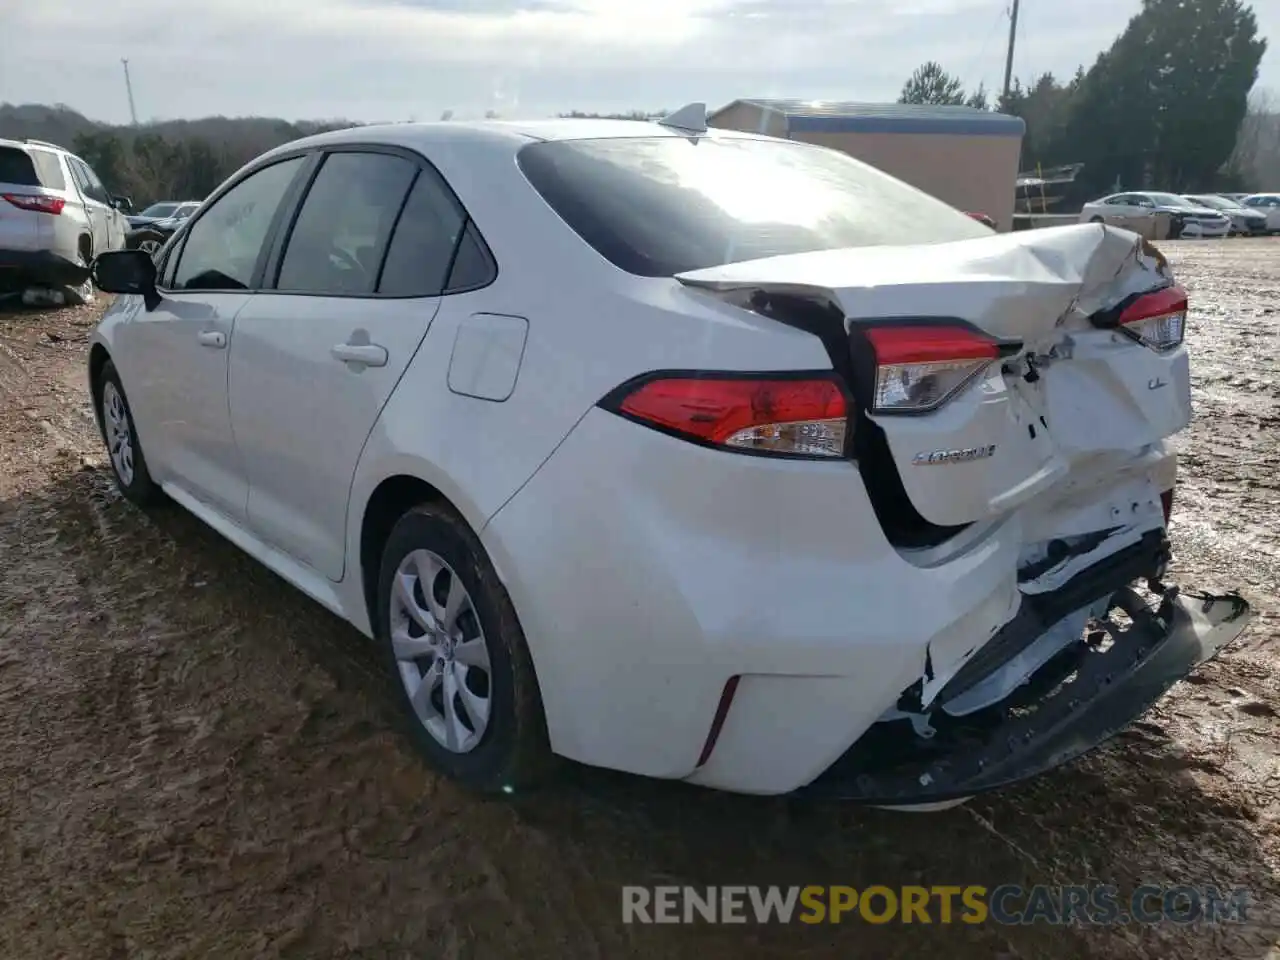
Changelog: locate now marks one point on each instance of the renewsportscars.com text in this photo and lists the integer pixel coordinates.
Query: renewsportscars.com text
(1007, 904)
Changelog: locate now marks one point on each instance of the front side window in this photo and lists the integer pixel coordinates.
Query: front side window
(90, 185)
(337, 243)
(222, 248)
(1170, 200)
(658, 206)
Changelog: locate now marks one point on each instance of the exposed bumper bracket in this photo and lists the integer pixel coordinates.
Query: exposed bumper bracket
(1103, 692)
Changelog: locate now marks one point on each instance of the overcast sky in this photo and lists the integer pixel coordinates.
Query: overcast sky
(413, 59)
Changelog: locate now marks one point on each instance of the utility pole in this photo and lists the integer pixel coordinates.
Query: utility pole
(1008, 60)
(133, 111)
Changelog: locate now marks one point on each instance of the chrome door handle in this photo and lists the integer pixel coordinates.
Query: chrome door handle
(212, 338)
(368, 354)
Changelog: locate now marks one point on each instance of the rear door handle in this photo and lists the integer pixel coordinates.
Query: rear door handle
(368, 354)
(212, 338)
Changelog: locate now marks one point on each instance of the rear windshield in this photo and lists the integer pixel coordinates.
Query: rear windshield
(658, 206)
(16, 167)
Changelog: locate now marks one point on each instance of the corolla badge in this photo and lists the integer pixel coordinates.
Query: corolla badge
(963, 455)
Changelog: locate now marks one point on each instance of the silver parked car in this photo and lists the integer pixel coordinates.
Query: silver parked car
(1244, 220)
(55, 216)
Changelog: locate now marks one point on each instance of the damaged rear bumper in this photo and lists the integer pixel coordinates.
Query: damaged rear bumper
(1090, 692)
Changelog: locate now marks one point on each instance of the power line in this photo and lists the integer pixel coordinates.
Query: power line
(986, 46)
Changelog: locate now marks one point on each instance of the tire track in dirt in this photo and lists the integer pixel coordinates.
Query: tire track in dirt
(197, 761)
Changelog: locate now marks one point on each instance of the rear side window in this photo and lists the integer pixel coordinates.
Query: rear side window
(341, 232)
(49, 169)
(16, 166)
(423, 246)
(473, 266)
(658, 206)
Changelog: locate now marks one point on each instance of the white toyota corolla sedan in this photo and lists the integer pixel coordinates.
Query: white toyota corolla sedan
(696, 454)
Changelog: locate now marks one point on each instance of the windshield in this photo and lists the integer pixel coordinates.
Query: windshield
(1169, 200)
(1218, 203)
(658, 206)
(159, 210)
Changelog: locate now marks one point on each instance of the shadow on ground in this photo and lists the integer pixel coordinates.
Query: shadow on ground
(201, 761)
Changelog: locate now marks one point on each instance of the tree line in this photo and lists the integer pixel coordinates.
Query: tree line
(167, 160)
(1166, 107)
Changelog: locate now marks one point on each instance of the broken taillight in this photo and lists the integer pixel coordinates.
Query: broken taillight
(1158, 319)
(800, 416)
(918, 368)
(36, 203)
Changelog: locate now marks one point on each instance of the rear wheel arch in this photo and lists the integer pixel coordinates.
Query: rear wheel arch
(391, 499)
(404, 507)
(84, 246)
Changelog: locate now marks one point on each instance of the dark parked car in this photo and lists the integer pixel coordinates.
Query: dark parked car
(165, 210)
(150, 232)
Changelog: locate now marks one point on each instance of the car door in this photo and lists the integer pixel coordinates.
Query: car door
(1270, 205)
(176, 355)
(113, 222)
(95, 209)
(358, 279)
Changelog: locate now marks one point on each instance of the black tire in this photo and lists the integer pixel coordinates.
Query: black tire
(514, 751)
(140, 489)
(138, 239)
(1096, 220)
(79, 296)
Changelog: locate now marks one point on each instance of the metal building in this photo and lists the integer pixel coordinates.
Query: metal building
(965, 156)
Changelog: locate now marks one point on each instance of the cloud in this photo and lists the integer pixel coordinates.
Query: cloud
(397, 59)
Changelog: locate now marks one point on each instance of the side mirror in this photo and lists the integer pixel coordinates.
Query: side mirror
(123, 204)
(127, 271)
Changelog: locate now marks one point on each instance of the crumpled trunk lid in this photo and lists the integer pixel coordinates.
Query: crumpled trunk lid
(1066, 391)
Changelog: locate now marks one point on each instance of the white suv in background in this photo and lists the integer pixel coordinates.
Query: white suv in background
(55, 216)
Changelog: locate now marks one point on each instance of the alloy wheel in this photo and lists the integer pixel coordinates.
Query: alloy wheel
(115, 417)
(441, 651)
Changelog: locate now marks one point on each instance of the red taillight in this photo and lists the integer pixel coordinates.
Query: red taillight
(36, 204)
(793, 416)
(919, 367)
(1157, 319)
(1166, 501)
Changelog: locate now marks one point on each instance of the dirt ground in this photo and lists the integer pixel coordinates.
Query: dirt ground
(197, 761)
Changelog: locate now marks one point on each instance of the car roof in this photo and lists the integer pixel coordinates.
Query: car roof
(486, 135)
